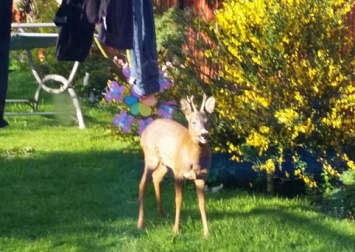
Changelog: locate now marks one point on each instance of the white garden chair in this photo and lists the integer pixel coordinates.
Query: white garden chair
(21, 39)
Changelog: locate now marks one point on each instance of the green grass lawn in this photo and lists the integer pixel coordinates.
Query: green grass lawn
(65, 189)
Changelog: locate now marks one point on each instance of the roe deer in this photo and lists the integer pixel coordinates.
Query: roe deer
(167, 145)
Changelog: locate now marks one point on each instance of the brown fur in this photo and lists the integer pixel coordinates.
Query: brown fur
(167, 145)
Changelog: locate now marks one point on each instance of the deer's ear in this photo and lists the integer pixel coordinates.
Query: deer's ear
(210, 104)
(185, 107)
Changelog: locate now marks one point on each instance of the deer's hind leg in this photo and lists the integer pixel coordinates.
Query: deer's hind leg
(149, 167)
(158, 175)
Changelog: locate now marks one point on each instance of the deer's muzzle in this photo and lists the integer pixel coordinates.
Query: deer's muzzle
(203, 137)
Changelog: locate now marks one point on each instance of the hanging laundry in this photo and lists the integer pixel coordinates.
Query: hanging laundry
(129, 24)
(116, 24)
(123, 25)
(76, 19)
(144, 57)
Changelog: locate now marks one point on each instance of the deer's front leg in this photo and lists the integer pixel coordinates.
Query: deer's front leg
(178, 202)
(158, 175)
(142, 188)
(200, 185)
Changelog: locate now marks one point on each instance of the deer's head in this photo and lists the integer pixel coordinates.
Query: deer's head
(198, 119)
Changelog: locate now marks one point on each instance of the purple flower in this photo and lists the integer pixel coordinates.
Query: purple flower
(114, 92)
(123, 121)
(142, 124)
(166, 110)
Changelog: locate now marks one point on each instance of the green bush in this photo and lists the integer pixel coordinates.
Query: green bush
(286, 82)
(179, 44)
(348, 179)
(283, 78)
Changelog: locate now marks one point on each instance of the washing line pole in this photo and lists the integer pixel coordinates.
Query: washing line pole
(5, 36)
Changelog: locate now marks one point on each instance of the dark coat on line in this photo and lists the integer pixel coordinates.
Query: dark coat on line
(116, 29)
(76, 19)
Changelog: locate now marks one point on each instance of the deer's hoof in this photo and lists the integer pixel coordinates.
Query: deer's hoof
(206, 234)
(176, 230)
(140, 225)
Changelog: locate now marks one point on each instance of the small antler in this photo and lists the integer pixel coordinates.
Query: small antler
(191, 101)
(203, 102)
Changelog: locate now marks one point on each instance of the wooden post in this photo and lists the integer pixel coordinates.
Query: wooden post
(5, 31)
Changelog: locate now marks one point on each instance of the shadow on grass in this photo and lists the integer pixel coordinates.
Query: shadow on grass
(89, 200)
(60, 194)
(287, 220)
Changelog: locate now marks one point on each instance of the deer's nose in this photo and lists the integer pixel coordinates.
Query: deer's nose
(205, 134)
(203, 137)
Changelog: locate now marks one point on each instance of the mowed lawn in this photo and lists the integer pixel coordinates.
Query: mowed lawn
(65, 189)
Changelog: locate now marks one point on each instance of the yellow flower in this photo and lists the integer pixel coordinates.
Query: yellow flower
(299, 97)
(269, 166)
(297, 172)
(351, 164)
(264, 129)
(286, 116)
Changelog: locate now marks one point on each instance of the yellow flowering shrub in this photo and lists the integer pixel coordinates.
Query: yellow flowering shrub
(286, 81)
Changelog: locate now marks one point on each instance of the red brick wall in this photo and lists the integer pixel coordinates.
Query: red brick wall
(204, 8)
(352, 23)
